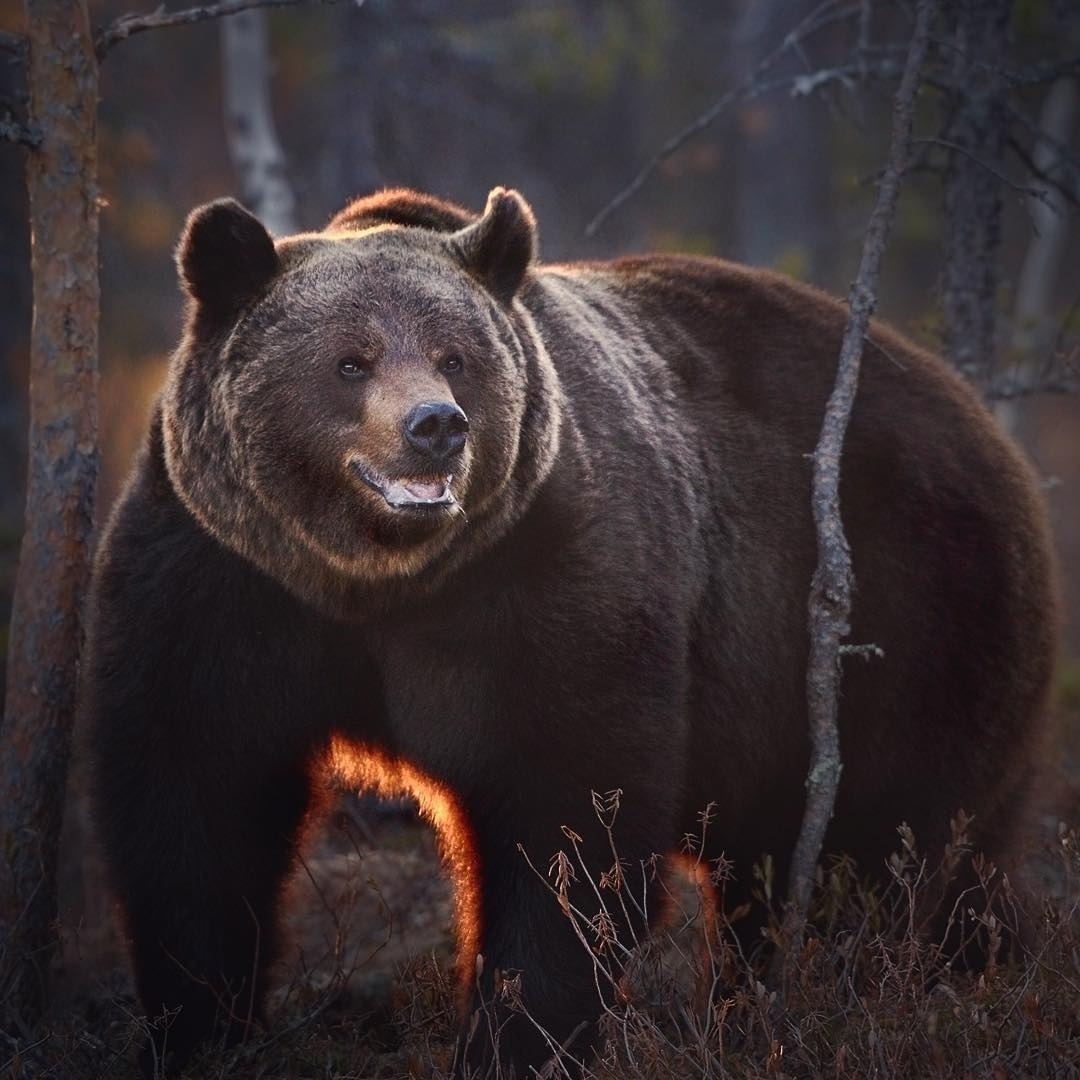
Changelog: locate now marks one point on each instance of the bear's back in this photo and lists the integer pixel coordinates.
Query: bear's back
(955, 579)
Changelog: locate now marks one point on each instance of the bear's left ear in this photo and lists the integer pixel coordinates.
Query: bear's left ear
(499, 248)
(225, 257)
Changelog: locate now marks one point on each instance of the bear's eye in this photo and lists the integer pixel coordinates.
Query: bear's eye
(353, 367)
(451, 364)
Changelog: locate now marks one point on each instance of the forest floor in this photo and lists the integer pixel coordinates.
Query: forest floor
(366, 989)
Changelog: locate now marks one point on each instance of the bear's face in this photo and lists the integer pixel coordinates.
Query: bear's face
(362, 393)
(376, 398)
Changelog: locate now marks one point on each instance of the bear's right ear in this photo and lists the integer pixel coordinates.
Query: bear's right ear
(499, 248)
(225, 256)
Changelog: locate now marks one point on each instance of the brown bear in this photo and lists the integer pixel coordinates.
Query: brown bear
(423, 512)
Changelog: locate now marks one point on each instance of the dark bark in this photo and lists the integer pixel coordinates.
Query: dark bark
(977, 126)
(781, 213)
(830, 592)
(14, 331)
(62, 472)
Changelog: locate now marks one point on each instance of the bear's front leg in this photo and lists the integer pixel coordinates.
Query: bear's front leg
(206, 701)
(199, 897)
(567, 978)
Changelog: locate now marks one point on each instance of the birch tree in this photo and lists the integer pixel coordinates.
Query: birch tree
(254, 146)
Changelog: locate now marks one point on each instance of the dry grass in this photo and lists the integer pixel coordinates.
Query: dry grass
(868, 993)
(369, 991)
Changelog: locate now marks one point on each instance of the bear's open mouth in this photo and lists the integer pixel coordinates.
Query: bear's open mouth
(410, 491)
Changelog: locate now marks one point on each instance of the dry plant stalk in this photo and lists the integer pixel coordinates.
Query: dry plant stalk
(830, 591)
(691, 1000)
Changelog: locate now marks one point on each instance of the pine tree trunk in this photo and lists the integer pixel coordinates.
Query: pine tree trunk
(62, 470)
(781, 211)
(979, 45)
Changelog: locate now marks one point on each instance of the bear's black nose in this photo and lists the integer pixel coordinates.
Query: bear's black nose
(437, 430)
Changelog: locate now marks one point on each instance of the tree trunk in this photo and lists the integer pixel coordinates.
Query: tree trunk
(1033, 326)
(350, 164)
(254, 147)
(780, 172)
(978, 49)
(62, 470)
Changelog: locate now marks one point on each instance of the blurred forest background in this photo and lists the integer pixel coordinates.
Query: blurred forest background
(566, 100)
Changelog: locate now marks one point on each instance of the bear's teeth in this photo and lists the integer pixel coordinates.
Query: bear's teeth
(425, 489)
(420, 492)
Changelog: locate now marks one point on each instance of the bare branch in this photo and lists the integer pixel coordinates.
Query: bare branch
(1012, 388)
(823, 15)
(830, 593)
(1044, 71)
(1039, 194)
(127, 25)
(801, 85)
(1034, 74)
(1059, 185)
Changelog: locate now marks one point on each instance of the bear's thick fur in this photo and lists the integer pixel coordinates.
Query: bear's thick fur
(423, 512)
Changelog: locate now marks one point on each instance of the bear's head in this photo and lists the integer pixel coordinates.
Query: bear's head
(360, 404)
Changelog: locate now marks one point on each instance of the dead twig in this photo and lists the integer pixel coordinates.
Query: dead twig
(1039, 194)
(1062, 186)
(1044, 71)
(752, 87)
(128, 25)
(1037, 73)
(830, 594)
(802, 85)
(1010, 389)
